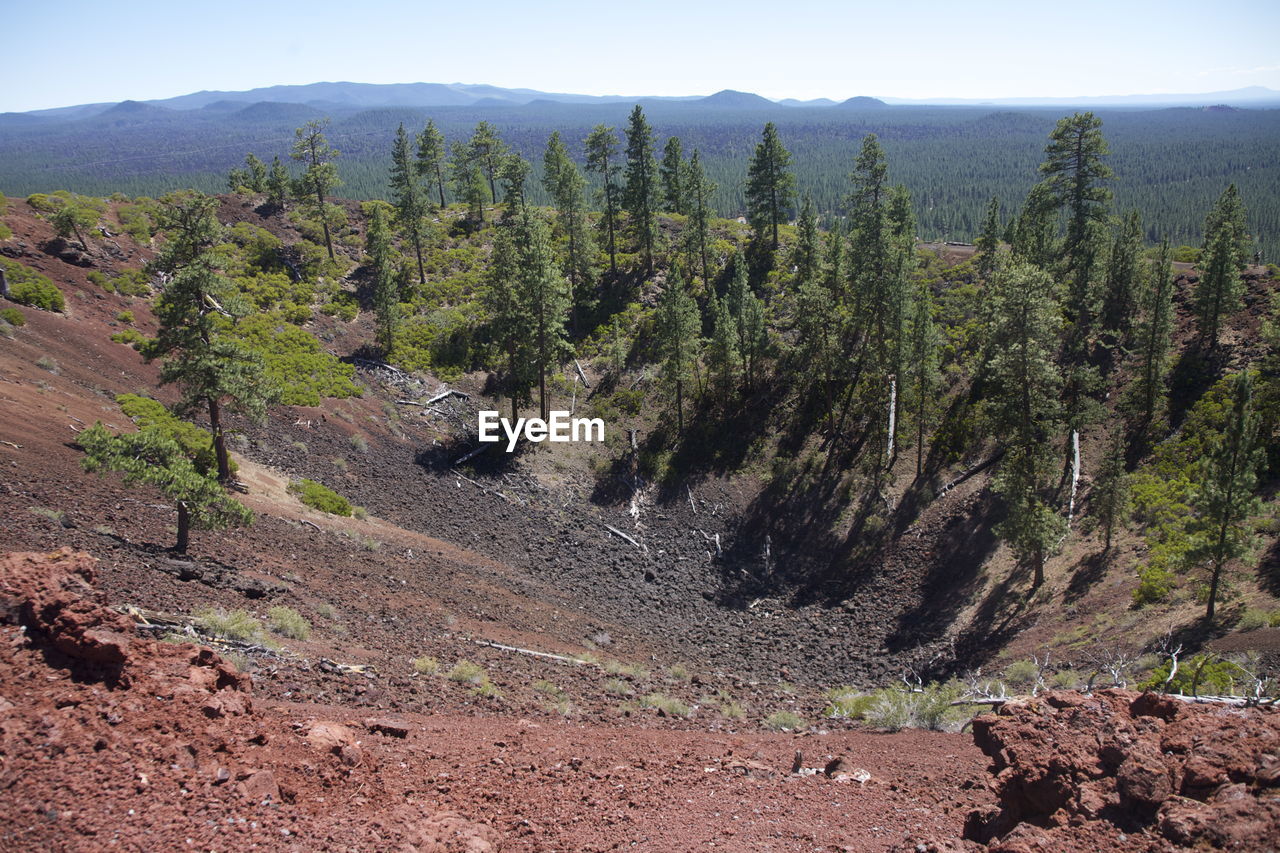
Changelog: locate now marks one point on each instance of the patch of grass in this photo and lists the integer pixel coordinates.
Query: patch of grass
(466, 672)
(321, 497)
(1021, 673)
(104, 530)
(359, 443)
(729, 708)
(288, 622)
(44, 362)
(784, 721)
(548, 689)
(236, 625)
(618, 687)
(487, 690)
(51, 514)
(360, 513)
(847, 703)
(668, 705)
(13, 317)
(1067, 679)
(1253, 619)
(326, 611)
(340, 464)
(628, 670)
(589, 658)
(678, 672)
(426, 665)
(299, 446)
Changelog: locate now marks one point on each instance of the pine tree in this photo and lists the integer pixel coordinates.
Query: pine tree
(386, 295)
(431, 157)
(922, 364)
(489, 152)
(1075, 174)
(678, 326)
(770, 185)
(514, 174)
(277, 184)
(1153, 336)
(409, 197)
(508, 320)
(699, 190)
(751, 336)
(1226, 500)
(321, 176)
(1222, 260)
(564, 181)
(1033, 230)
(672, 174)
(210, 369)
(988, 244)
(805, 256)
(1110, 500)
(468, 181)
(602, 156)
(639, 194)
(153, 458)
(1124, 271)
(256, 172)
(1022, 328)
(545, 300)
(722, 353)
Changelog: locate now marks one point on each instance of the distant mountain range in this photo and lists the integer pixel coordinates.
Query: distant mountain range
(349, 96)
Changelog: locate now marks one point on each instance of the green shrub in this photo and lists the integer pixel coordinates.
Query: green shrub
(548, 689)
(466, 672)
(195, 442)
(847, 703)
(784, 721)
(5, 231)
(359, 443)
(1021, 673)
(28, 287)
(668, 705)
(236, 625)
(359, 513)
(125, 317)
(132, 337)
(678, 672)
(13, 317)
(890, 709)
(288, 622)
(1253, 619)
(426, 665)
(617, 687)
(321, 497)
(45, 362)
(1154, 584)
(295, 361)
(1199, 674)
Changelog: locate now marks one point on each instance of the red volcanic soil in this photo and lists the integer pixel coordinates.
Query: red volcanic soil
(111, 741)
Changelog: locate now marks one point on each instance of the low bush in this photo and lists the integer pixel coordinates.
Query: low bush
(321, 497)
(236, 625)
(28, 287)
(1202, 673)
(426, 665)
(288, 622)
(784, 721)
(466, 672)
(13, 317)
(668, 705)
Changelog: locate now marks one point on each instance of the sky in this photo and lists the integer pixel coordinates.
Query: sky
(76, 52)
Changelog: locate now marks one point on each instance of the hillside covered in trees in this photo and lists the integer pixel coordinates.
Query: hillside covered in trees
(1170, 163)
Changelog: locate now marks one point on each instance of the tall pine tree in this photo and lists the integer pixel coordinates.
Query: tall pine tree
(770, 186)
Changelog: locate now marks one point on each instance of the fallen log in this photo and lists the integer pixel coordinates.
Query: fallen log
(533, 653)
(616, 532)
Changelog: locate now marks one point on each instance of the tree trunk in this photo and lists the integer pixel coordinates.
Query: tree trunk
(324, 221)
(219, 442)
(4, 285)
(417, 248)
(1037, 577)
(608, 213)
(184, 528)
(440, 184)
(679, 407)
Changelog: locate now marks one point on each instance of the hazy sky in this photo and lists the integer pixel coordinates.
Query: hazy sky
(79, 52)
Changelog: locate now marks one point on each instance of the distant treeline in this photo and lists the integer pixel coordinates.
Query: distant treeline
(1171, 163)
